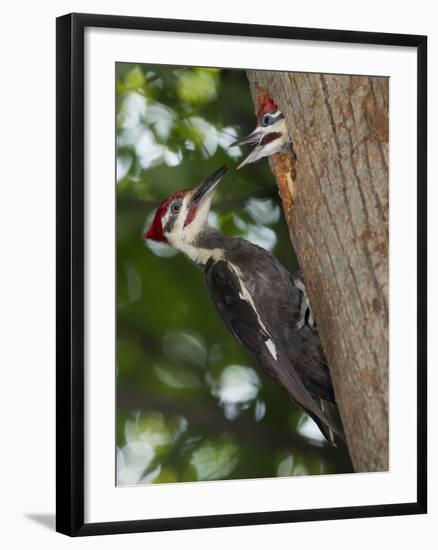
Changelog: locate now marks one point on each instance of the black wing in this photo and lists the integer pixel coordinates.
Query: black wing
(246, 324)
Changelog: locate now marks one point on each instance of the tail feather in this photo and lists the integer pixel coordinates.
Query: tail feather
(335, 430)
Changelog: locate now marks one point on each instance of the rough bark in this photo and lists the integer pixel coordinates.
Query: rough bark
(335, 198)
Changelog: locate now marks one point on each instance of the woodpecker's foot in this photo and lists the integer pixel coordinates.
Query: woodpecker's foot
(306, 315)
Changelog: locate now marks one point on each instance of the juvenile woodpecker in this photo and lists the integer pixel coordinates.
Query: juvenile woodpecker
(270, 135)
(261, 304)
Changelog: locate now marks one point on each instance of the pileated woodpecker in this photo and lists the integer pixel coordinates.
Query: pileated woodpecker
(262, 305)
(270, 135)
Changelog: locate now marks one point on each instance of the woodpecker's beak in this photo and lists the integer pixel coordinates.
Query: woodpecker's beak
(207, 187)
(253, 137)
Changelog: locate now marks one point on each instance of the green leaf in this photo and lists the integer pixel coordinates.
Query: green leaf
(134, 79)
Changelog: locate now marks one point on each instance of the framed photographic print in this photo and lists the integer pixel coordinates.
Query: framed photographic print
(241, 274)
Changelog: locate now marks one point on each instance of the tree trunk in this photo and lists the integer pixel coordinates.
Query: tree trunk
(335, 198)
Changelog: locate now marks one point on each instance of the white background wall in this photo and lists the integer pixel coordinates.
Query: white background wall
(27, 286)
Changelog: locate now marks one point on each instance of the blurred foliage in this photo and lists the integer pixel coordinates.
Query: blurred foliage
(191, 404)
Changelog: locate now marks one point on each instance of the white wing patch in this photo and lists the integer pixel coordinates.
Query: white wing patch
(245, 295)
(271, 347)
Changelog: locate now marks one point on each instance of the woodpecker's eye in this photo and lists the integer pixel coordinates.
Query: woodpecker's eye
(266, 120)
(176, 208)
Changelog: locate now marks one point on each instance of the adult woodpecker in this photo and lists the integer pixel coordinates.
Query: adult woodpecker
(270, 135)
(262, 305)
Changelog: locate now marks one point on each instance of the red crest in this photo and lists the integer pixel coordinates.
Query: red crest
(268, 106)
(155, 231)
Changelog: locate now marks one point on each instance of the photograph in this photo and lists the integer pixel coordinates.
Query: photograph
(252, 280)
(241, 274)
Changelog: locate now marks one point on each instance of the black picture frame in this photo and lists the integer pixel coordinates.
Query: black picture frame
(70, 272)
